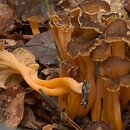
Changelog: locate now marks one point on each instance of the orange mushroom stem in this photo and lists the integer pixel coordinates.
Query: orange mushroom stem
(54, 87)
(34, 27)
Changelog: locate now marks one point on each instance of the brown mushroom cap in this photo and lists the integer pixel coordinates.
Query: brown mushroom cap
(117, 27)
(114, 71)
(59, 19)
(101, 52)
(83, 39)
(81, 47)
(115, 38)
(107, 18)
(75, 14)
(125, 80)
(117, 32)
(112, 85)
(114, 67)
(86, 22)
(94, 7)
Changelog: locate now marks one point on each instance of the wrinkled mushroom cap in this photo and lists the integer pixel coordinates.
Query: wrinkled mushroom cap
(113, 71)
(118, 27)
(117, 32)
(92, 7)
(81, 47)
(114, 67)
(107, 18)
(101, 52)
(125, 81)
(26, 57)
(83, 38)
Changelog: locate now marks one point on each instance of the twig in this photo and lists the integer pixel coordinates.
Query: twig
(58, 112)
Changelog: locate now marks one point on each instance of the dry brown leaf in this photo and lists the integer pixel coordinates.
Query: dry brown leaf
(15, 111)
(43, 47)
(11, 112)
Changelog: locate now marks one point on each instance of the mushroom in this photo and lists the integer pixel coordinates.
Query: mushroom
(93, 39)
(94, 8)
(33, 21)
(31, 11)
(22, 62)
(117, 34)
(114, 71)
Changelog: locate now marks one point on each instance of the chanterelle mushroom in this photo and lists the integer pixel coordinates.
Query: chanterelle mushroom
(23, 62)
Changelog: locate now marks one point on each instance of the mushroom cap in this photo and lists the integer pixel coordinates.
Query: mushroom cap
(125, 80)
(83, 39)
(75, 14)
(59, 19)
(114, 67)
(107, 18)
(116, 38)
(93, 7)
(112, 85)
(85, 21)
(118, 26)
(101, 52)
(26, 57)
(81, 47)
(114, 72)
(117, 32)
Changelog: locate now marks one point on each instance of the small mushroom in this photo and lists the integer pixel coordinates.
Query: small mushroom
(93, 9)
(34, 21)
(31, 11)
(115, 73)
(116, 33)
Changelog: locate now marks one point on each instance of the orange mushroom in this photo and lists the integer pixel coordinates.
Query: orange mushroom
(23, 62)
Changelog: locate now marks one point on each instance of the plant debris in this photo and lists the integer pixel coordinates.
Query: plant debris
(65, 64)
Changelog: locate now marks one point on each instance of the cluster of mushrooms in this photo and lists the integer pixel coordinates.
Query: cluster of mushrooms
(93, 45)
(95, 41)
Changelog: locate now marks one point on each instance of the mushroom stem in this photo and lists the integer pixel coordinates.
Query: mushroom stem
(58, 82)
(74, 103)
(86, 66)
(62, 85)
(124, 96)
(111, 106)
(112, 109)
(99, 94)
(34, 27)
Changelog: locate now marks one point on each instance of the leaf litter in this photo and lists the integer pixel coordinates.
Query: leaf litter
(21, 107)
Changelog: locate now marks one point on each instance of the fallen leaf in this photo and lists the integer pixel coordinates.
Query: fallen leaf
(15, 111)
(43, 47)
(12, 103)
